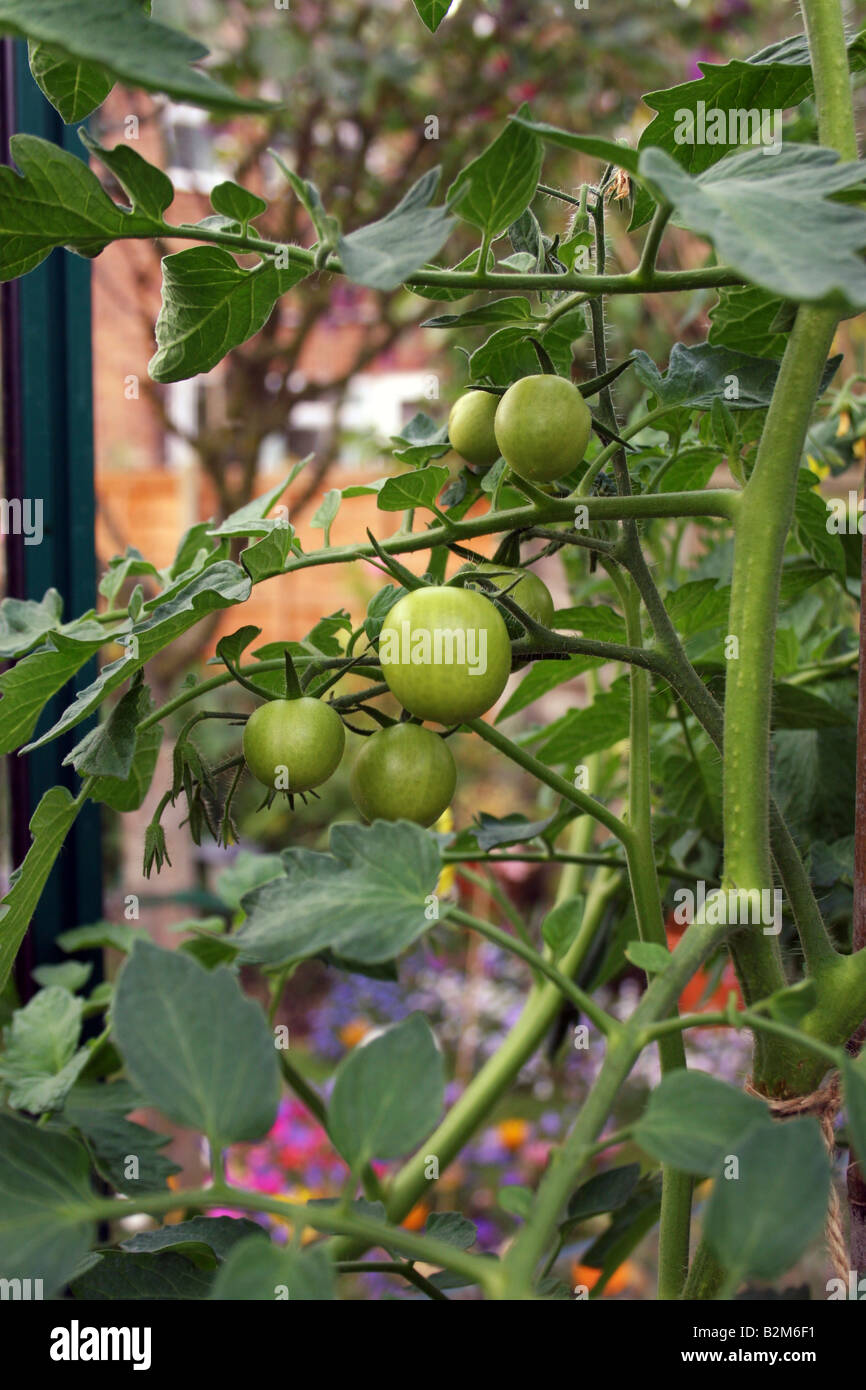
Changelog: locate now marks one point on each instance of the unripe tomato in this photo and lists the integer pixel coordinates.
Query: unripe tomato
(305, 736)
(445, 653)
(542, 427)
(403, 773)
(470, 428)
(529, 592)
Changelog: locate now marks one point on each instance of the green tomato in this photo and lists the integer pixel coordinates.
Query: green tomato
(529, 592)
(294, 745)
(403, 773)
(445, 653)
(542, 427)
(470, 428)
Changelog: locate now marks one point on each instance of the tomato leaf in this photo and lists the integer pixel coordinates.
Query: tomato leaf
(493, 190)
(223, 1080)
(382, 254)
(760, 1222)
(772, 220)
(367, 899)
(388, 1093)
(120, 39)
(45, 1193)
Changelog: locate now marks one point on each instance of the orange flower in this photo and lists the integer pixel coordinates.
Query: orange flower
(694, 998)
(513, 1133)
(354, 1032)
(417, 1218)
(621, 1279)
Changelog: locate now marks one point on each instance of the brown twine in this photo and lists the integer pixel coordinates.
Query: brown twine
(824, 1104)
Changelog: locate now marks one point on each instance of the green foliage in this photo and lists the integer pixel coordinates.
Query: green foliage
(167, 1005)
(107, 41)
(387, 1094)
(368, 899)
(677, 802)
(773, 219)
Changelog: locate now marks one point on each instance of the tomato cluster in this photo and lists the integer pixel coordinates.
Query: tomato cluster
(541, 427)
(445, 653)
(444, 649)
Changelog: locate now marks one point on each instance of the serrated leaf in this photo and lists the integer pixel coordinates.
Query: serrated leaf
(210, 305)
(419, 489)
(449, 293)
(73, 88)
(237, 203)
(128, 793)
(542, 677)
(388, 1093)
(491, 832)
(776, 78)
(772, 220)
(608, 151)
(71, 975)
(223, 1078)
(505, 357)
(583, 731)
(108, 750)
(596, 620)
(149, 190)
(366, 899)
(516, 1200)
(219, 1234)
(561, 925)
(97, 935)
(98, 1112)
(119, 37)
(452, 1227)
(604, 1192)
(811, 529)
(175, 611)
(494, 189)
(743, 319)
(41, 1060)
(114, 1274)
(382, 254)
(24, 622)
(510, 309)
(56, 200)
(703, 375)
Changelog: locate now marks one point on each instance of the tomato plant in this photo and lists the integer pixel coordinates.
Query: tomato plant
(681, 737)
(404, 773)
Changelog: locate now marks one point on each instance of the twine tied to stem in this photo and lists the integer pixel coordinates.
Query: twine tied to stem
(824, 1104)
